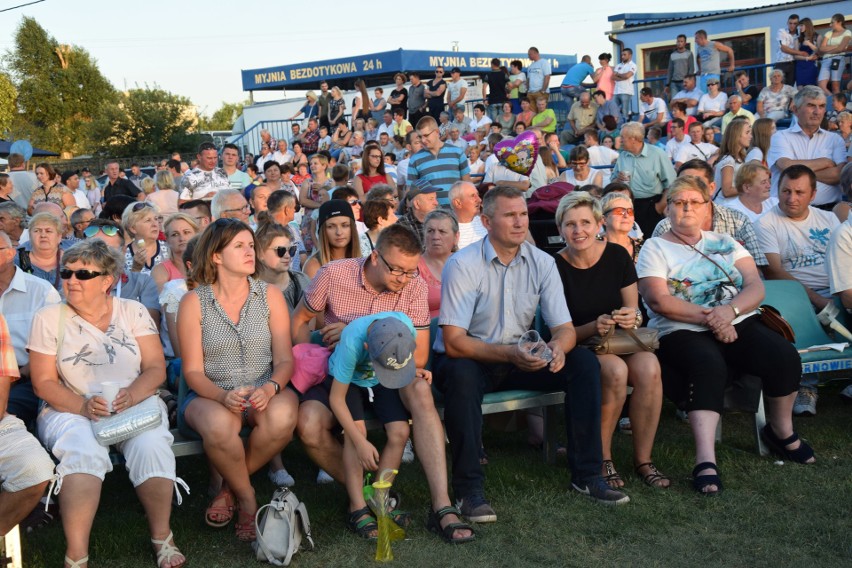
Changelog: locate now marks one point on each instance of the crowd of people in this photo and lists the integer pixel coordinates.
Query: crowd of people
(356, 235)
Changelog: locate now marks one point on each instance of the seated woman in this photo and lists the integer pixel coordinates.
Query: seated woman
(735, 144)
(619, 223)
(440, 240)
(373, 171)
(378, 214)
(702, 290)
(585, 264)
(180, 228)
(73, 347)
(145, 250)
(233, 327)
(580, 172)
(753, 188)
(43, 255)
(338, 237)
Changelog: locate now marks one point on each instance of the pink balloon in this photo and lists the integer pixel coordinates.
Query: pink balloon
(518, 154)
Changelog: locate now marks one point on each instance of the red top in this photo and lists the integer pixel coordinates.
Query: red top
(368, 182)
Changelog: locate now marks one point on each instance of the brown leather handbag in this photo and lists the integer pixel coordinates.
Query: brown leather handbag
(621, 341)
(772, 319)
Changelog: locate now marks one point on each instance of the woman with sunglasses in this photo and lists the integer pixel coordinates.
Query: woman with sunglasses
(234, 333)
(580, 173)
(619, 222)
(74, 346)
(145, 249)
(587, 263)
(180, 228)
(372, 170)
(338, 235)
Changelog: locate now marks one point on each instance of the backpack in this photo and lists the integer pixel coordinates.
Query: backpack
(545, 199)
(281, 526)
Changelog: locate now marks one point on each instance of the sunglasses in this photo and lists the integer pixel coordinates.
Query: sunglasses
(354, 203)
(291, 250)
(621, 211)
(141, 205)
(93, 230)
(66, 273)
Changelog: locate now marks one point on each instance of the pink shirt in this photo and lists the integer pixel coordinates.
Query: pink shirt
(434, 286)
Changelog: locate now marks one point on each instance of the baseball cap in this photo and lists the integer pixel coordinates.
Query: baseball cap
(391, 345)
(418, 187)
(87, 170)
(334, 208)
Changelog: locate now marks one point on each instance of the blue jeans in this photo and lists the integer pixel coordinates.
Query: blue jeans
(624, 102)
(464, 382)
(494, 112)
(572, 93)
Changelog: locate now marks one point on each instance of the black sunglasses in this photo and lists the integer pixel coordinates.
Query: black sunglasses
(291, 250)
(66, 273)
(139, 206)
(92, 230)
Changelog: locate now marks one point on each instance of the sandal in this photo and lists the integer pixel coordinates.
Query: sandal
(779, 447)
(433, 523)
(612, 478)
(218, 516)
(167, 551)
(653, 478)
(701, 482)
(77, 563)
(363, 523)
(245, 527)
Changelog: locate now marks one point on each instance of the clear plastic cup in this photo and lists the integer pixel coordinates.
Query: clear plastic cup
(244, 384)
(532, 344)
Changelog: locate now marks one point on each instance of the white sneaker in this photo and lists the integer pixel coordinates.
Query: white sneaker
(323, 478)
(806, 400)
(408, 452)
(281, 478)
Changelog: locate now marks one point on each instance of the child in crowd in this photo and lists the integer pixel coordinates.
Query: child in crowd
(325, 140)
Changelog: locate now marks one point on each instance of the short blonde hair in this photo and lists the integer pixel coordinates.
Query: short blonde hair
(46, 219)
(188, 219)
(134, 212)
(311, 95)
(607, 199)
(688, 183)
(164, 180)
(747, 174)
(577, 199)
(148, 186)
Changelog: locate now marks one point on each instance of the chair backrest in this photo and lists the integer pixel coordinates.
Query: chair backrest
(433, 333)
(789, 298)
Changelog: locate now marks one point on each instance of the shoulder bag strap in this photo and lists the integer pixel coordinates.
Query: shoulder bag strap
(719, 266)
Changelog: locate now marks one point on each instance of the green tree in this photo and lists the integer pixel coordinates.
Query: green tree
(60, 88)
(224, 118)
(145, 122)
(8, 104)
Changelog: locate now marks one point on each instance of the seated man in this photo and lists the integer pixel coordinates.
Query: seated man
(581, 119)
(696, 149)
(735, 104)
(25, 468)
(678, 139)
(491, 290)
(690, 94)
(372, 361)
(653, 109)
(342, 291)
(795, 235)
(722, 219)
(605, 108)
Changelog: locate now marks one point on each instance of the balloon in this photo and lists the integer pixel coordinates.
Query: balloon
(518, 154)
(22, 147)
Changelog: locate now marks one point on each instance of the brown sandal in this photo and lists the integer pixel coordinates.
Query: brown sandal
(654, 478)
(612, 478)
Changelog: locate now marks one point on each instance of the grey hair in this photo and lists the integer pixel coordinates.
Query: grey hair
(441, 214)
(808, 93)
(776, 70)
(578, 199)
(217, 204)
(633, 130)
(98, 253)
(732, 97)
(13, 209)
(614, 196)
(846, 180)
(456, 190)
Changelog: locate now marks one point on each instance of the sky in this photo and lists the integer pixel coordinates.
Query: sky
(197, 49)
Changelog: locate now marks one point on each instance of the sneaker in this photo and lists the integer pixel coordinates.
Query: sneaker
(323, 478)
(39, 517)
(281, 478)
(624, 426)
(477, 509)
(601, 492)
(408, 452)
(846, 394)
(805, 404)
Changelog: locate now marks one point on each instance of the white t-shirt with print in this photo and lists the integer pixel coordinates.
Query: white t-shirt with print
(838, 258)
(766, 206)
(800, 244)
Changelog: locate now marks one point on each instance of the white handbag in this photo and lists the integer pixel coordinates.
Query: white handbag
(282, 526)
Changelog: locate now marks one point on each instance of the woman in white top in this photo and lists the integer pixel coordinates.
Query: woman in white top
(711, 106)
(761, 135)
(580, 173)
(735, 143)
(753, 186)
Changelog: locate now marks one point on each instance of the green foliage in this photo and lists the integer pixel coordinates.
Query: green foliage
(8, 104)
(144, 122)
(60, 88)
(224, 118)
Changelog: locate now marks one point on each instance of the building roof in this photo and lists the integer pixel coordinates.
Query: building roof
(636, 20)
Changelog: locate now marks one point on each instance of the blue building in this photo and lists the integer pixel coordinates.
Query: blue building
(750, 32)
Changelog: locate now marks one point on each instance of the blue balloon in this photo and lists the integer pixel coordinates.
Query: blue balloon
(22, 147)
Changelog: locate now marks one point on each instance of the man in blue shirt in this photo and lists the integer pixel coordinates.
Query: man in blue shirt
(489, 296)
(572, 84)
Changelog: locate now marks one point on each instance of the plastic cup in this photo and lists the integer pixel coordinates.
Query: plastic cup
(244, 385)
(626, 176)
(109, 390)
(532, 344)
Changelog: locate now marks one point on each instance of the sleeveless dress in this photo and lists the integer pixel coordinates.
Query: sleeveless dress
(232, 350)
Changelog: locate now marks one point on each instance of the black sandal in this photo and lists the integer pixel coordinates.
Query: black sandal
(701, 482)
(612, 478)
(433, 523)
(779, 447)
(363, 523)
(653, 477)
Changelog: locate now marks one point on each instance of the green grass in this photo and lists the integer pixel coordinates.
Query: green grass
(770, 515)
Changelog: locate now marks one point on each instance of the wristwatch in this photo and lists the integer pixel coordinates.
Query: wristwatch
(275, 386)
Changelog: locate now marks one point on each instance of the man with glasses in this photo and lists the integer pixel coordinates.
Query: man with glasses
(116, 185)
(386, 280)
(438, 163)
(80, 219)
(203, 181)
(230, 204)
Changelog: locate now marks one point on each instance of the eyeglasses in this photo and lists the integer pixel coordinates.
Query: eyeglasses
(427, 134)
(245, 209)
(141, 205)
(620, 211)
(93, 230)
(206, 146)
(438, 72)
(399, 272)
(66, 273)
(379, 156)
(711, 84)
(354, 203)
(681, 203)
(291, 250)
(579, 163)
